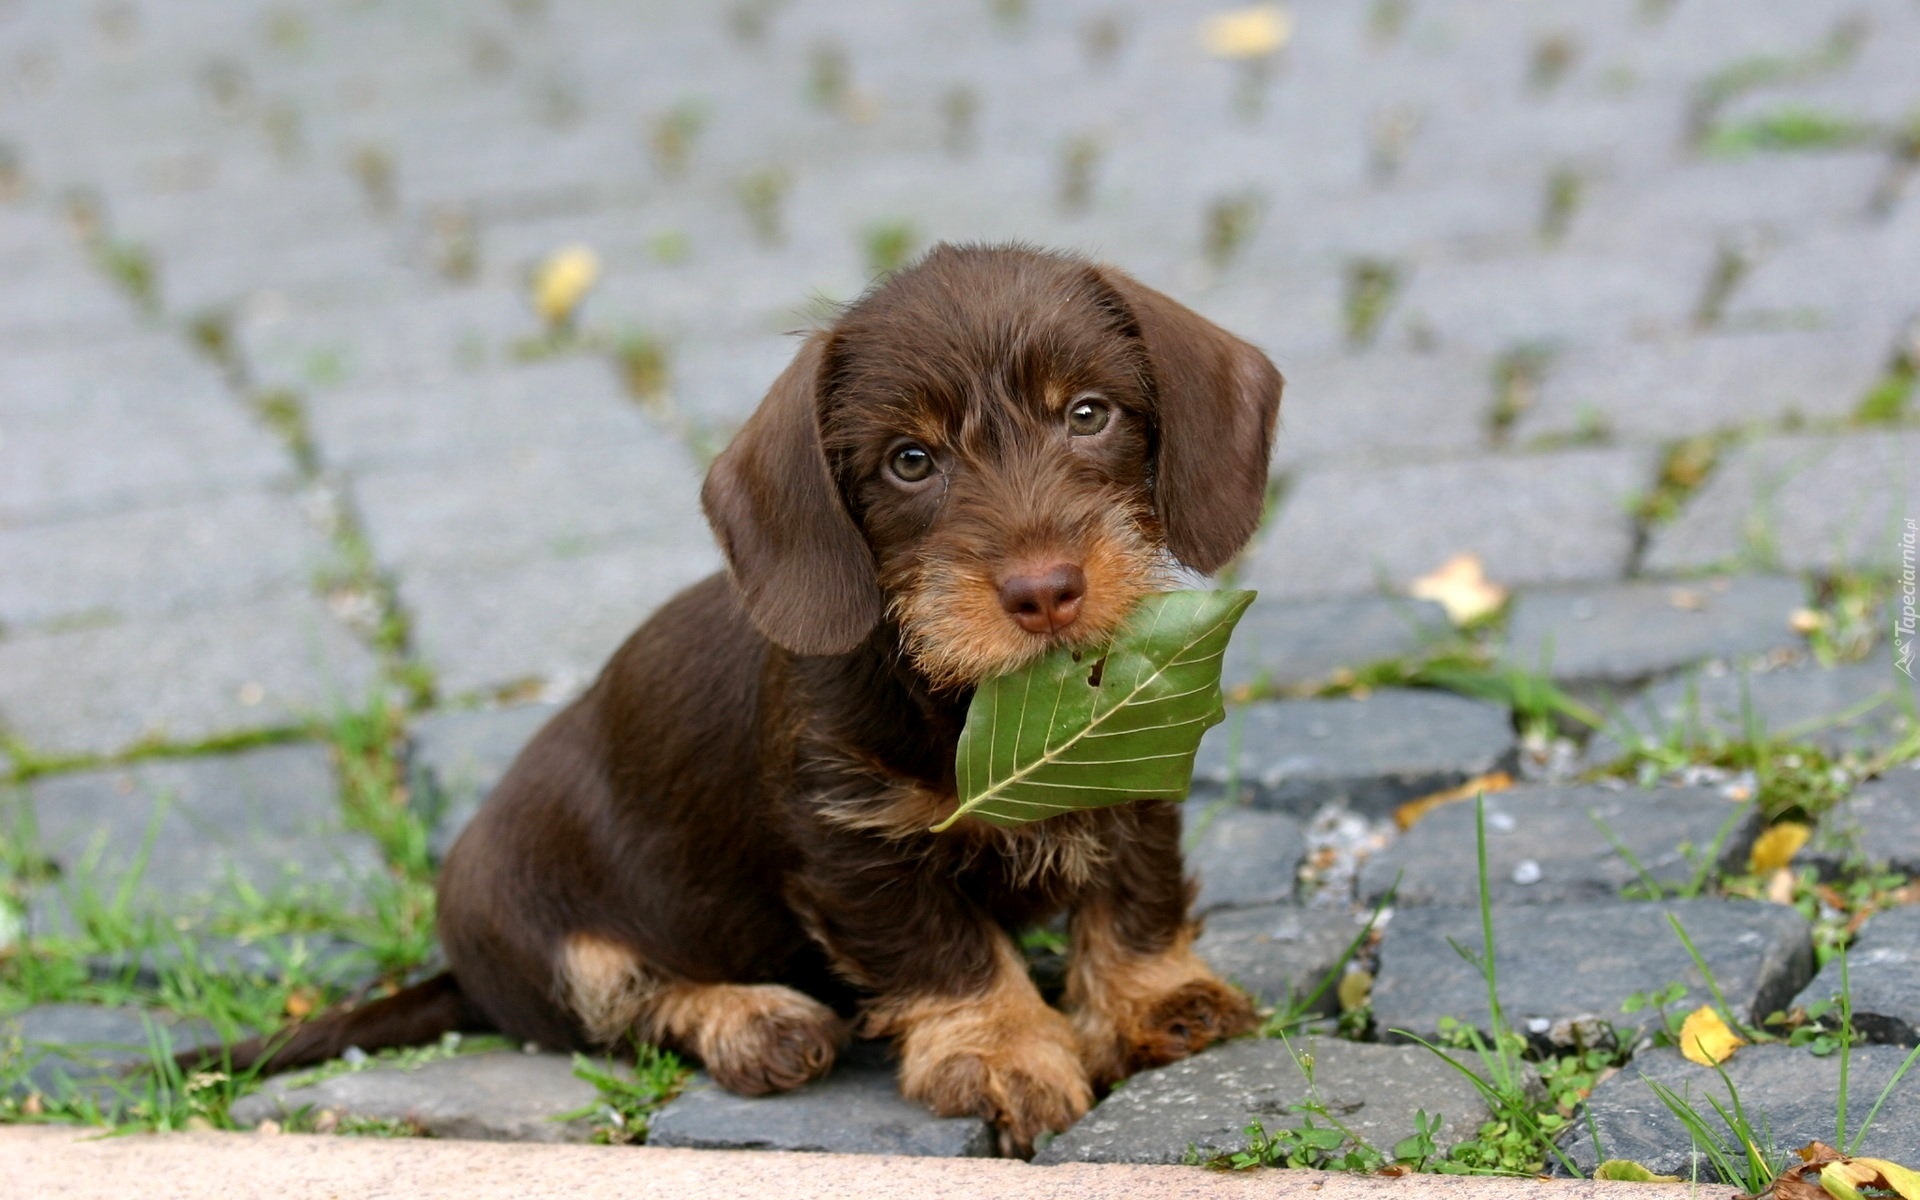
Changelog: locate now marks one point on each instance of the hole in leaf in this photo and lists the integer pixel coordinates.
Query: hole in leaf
(1099, 668)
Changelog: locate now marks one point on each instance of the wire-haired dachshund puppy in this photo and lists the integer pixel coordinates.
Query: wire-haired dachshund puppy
(723, 847)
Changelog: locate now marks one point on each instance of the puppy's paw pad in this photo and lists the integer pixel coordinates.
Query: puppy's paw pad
(1190, 1018)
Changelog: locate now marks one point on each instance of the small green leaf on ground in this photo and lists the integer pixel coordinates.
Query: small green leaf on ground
(1088, 728)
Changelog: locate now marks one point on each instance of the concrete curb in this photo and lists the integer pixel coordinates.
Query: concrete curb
(78, 1164)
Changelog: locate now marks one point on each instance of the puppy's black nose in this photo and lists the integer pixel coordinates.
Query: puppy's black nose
(1045, 601)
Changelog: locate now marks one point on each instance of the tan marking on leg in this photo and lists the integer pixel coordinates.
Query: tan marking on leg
(752, 1038)
(605, 984)
(1132, 1011)
(1004, 1055)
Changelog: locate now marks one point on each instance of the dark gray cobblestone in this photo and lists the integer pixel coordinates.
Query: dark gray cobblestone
(1293, 644)
(1875, 828)
(1369, 754)
(857, 1109)
(1797, 1092)
(1859, 708)
(1804, 503)
(1618, 634)
(1533, 519)
(1206, 1102)
(1565, 969)
(1878, 983)
(495, 1096)
(1548, 845)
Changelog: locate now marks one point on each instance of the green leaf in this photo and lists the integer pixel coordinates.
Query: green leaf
(1088, 728)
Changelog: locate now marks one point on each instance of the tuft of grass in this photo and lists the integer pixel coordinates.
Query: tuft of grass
(1886, 402)
(1518, 375)
(1684, 468)
(1371, 284)
(672, 135)
(1565, 187)
(829, 75)
(1553, 55)
(889, 245)
(1786, 130)
(133, 270)
(629, 1098)
(644, 366)
(762, 195)
(1322, 1141)
(959, 118)
(1079, 161)
(1229, 225)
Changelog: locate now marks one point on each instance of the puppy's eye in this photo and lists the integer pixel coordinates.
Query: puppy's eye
(1088, 415)
(911, 463)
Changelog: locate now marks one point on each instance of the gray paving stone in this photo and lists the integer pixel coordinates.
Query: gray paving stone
(1882, 967)
(539, 500)
(1625, 633)
(1382, 406)
(1875, 828)
(103, 426)
(1855, 708)
(1496, 304)
(265, 665)
(1805, 503)
(1370, 754)
(199, 554)
(1532, 519)
(1280, 953)
(857, 1109)
(556, 620)
(1731, 199)
(1565, 969)
(1683, 386)
(495, 1096)
(1798, 1093)
(416, 339)
(84, 1050)
(456, 757)
(65, 303)
(1206, 1102)
(1288, 644)
(1549, 843)
(183, 836)
(1241, 856)
(570, 402)
(1835, 277)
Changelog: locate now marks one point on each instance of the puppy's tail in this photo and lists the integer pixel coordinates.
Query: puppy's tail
(410, 1017)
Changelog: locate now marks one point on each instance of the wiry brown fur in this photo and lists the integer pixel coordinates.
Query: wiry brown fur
(723, 846)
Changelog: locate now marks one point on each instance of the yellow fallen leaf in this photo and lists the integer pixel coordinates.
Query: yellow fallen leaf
(1776, 847)
(1253, 32)
(1410, 813)
(1354, 989)
(1805, 621)
(1460, 585)
(562, 281)
(1628, 1171)
(1874, 1173)
(1706, 1039)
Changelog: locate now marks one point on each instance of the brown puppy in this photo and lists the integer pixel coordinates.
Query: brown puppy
(723, 846)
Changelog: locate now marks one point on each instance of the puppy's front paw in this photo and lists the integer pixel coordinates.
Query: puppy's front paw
(758, 1039)
(1132, 1030)
(1021, 1072)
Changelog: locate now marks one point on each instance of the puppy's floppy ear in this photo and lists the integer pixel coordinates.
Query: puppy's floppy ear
(803, 571)
(1216, 400)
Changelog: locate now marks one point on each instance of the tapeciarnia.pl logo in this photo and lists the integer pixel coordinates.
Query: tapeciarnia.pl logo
(1904, 619)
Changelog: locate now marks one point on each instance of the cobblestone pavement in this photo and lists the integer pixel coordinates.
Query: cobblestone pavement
(1616, 297)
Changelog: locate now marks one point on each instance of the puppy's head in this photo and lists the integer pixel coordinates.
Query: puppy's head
(1001, 450)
